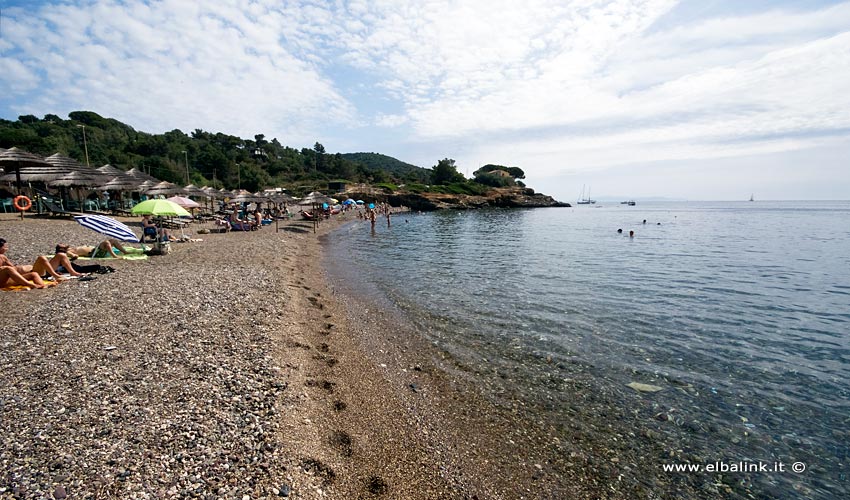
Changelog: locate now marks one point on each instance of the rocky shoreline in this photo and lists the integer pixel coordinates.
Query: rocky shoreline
(509, 197)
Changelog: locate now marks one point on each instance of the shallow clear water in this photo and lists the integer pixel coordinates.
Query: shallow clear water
(749, 303)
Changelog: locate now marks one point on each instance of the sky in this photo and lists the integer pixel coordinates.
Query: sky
(701, 100)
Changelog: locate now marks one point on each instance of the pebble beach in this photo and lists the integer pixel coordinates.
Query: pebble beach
(231, 368)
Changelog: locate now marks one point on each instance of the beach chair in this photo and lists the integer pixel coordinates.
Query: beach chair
(55, 210)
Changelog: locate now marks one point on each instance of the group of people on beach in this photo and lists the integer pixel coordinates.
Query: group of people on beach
(34, 275)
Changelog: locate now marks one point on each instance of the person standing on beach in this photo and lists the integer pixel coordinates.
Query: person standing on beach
(372, 217)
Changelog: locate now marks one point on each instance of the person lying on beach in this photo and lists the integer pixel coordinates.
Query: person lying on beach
(41, 266)
(106, 249)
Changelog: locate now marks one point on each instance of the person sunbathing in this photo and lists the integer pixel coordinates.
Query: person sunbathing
(104, 250)
(41, 266)
(62, 262)
(10, 275)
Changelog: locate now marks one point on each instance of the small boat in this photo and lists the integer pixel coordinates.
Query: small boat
(585, 201)
(751, 198)
(630, 203)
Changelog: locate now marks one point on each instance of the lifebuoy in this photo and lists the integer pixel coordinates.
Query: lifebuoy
(17, 202)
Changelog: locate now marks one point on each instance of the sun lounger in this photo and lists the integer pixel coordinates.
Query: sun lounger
(55, 210)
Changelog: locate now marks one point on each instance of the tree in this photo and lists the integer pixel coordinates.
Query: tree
(445, 172)
(319, 158)
(516, 172)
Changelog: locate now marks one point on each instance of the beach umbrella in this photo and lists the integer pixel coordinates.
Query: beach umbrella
(17, 159)
(76, 179)
(348, 202)
(118, 176)
(184, 202)
(360, 202)
(162, 208)
(165, 188)
(20, 161)
(119, 184)
(107, 226)
(144, 186)
(283, 198)
(111, 171)
(315, 198)
(141, 176)
(193, 190)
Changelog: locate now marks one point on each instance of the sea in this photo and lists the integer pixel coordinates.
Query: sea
(738, 313)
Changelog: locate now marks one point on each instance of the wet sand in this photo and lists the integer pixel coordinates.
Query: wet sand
(231, 368)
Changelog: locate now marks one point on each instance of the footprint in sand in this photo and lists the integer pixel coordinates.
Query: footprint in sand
(314, 466)
(342, 442)
(327, 385)
(339, 405)
(376, 485)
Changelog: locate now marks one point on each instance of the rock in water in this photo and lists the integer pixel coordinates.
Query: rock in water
(645, 387)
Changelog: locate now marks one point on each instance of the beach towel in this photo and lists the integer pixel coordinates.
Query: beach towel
(140, 255)
(19, 288)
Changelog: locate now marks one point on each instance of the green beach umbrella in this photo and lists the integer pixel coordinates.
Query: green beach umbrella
(160, 208)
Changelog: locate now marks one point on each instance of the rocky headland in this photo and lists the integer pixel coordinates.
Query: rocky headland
(507, 197)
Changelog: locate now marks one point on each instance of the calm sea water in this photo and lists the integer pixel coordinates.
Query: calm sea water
(747, 305)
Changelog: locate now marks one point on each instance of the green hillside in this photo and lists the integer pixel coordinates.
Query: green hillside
(201, 157)
(396, 168)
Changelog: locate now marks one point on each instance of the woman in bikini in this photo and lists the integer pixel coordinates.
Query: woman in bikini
(41, 267)
(10, 272)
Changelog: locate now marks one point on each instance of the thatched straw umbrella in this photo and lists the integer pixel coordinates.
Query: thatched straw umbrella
(138, 174)
(165, 188)
(315, 200)
(118, 181)
(18, 160)
(193, 190)
(27, 167)
(76, 179)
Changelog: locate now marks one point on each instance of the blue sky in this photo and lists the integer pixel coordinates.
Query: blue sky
(636, 98)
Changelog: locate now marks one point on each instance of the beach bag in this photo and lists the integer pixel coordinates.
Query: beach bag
(92, 268)
(159, 250)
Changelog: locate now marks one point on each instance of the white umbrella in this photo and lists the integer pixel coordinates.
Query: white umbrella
(184, 202)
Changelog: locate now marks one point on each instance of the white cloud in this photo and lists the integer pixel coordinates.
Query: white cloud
(565, 84)
(173, 65)
(390, 120)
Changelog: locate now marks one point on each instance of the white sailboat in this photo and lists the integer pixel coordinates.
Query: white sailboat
(585, 201)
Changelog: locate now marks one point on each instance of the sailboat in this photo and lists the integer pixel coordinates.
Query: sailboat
(585, 201)
(751, 198)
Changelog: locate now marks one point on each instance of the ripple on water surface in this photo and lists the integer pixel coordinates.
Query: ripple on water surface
(741, 308)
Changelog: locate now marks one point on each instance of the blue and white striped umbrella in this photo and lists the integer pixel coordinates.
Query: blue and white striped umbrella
(107, 226)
